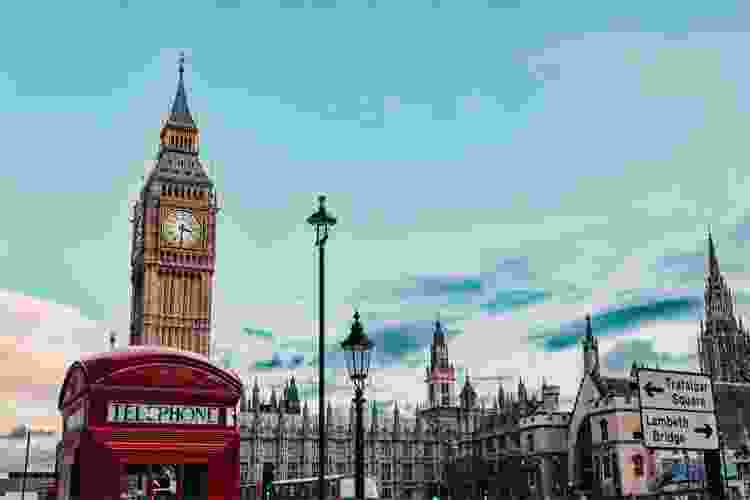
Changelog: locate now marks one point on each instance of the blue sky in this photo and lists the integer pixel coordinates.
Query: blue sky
(510, 166)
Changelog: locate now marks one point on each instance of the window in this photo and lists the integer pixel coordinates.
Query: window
(340, 468)
(292, 470)
(244, 472)
(530, 441)
(388, 450)
(386, 472)
(268, 449)
(429, 472)
(386, 493)
(605, 463)
(491, 445)
(405, 450)
(605, 431)
(407, 472)
(428, 449)
(597, 469)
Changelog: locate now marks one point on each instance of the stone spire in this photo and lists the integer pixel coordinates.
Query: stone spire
(522, 394)
(243, 399)
(274, 401)
(374, 421)
(256, 396)
(396, 417)
(590, 349)
(438, 336)
(180, 114)
(713, 262)
(718, 296)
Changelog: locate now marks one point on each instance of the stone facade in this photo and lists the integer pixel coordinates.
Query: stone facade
(411, 455)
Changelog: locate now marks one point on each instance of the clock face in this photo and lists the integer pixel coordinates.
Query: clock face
(181, 227)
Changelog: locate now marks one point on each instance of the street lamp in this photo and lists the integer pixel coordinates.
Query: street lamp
(358, 348)
(321, 220)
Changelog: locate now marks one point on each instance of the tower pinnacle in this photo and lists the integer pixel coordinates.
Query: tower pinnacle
(713, 262)
(180, 113)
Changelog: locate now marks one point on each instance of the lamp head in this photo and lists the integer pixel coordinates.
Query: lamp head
(357, 347)
(321, 218)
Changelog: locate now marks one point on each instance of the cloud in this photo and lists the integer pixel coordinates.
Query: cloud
(640, 350)
(253, 332)
(41, 340)
(690, 263)
(618, 320)
(506, 300)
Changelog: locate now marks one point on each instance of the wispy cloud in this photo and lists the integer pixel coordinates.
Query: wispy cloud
(618, 320)
(640, 350)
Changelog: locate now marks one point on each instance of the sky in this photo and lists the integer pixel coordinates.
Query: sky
(509, 166)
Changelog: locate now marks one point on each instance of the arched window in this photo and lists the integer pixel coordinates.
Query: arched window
(605, 430)
(605, 466)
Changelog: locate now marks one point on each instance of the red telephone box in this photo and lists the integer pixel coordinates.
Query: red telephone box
(138, 413)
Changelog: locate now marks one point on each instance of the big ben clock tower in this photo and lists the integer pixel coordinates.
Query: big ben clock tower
(174, 241)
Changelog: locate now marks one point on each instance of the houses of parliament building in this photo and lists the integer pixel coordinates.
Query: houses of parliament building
(452, 439)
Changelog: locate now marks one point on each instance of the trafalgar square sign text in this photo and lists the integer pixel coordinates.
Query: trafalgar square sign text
(677, 410)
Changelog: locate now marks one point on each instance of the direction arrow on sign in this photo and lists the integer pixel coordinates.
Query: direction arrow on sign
(651, 389)
(681, 430)
(675, 390)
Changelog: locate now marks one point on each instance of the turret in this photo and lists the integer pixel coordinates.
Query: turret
(374, 422)
(329, 416)
(274, 401)
(243, 399)
(522, 394)
(396, 417)
(291, 397)
(590, 349)
(256, 396)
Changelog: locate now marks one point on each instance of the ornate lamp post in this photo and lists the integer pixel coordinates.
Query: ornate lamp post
(321, 220)
(358, 348)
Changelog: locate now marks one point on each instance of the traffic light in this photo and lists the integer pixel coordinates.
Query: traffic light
(267, 480)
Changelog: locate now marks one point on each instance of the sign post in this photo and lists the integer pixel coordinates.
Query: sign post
(677, 410)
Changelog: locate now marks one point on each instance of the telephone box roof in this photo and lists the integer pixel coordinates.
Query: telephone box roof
(98, 366)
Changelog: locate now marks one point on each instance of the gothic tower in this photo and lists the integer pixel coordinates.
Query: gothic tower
(441, 378)
(173, 249)
(723, 344)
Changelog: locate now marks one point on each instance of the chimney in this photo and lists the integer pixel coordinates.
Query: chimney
(551, 397)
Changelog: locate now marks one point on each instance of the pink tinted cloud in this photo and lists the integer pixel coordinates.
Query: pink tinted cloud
(25, 308)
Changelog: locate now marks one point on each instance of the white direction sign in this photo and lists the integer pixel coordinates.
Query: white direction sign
(682, 430)
(675, 391)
